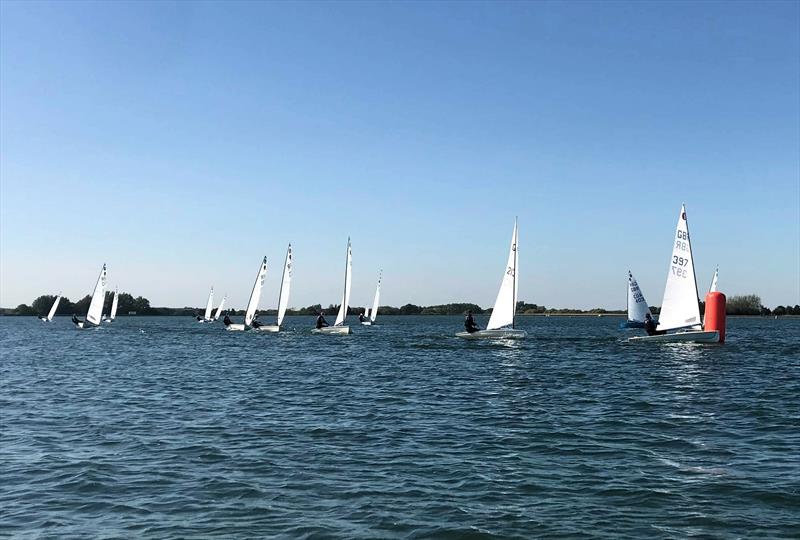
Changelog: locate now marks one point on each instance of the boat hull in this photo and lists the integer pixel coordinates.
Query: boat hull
(508, 333)
(337, 330)
(236, 327)
(268, 329)
(84, 325)
(366, 323)
(695, 336)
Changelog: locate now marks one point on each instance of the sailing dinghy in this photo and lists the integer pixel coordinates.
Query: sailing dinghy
(52, 312)
(95, 313)
(371, 314)
(283, 295)
(501, 322)
(113, 313)
(339, 327)
(255, 296)
(637, 305)
(219, 308)
(679, 319)
(206, 318)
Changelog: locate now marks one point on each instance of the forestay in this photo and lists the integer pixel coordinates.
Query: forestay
(342, 315)
(286, 282)
(373, 313)
(506, 303)
(680, 308)
(95, 313)
(255, 296)
(637, 306)
(54, 308)
(209, 305)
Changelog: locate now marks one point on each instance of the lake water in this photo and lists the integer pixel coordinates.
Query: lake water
(166, 428)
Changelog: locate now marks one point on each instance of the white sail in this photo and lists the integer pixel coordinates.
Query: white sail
(373, 313)
(714, 281)
(680, 308)
(209, 305)
(506, 303)
(95, 312)
(114, 304)
(286, 283)
(219, 309)
(348, 278)
(54, 308)
(637, 305)
(255, 296)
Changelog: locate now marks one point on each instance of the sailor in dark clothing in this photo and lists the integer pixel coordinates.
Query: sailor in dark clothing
(321, 322)
(361, 317)
(469, 323)
(226, 320)
(255, 323)
(650, 326)
(75, 320)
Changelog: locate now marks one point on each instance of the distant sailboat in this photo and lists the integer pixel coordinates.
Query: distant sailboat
(52, 312)
(219, 309)
(679, 319)
(339, 327)
(371, 314)
(637, 305)
(283, 295)
(206, 318)
(501, 322)
(95, 313)
(255, 296)
(713, 287)
(114, 302)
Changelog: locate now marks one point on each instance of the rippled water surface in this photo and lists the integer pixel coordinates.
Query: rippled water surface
(166, 428)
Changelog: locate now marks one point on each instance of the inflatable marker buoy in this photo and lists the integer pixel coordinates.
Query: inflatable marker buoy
(715, 314)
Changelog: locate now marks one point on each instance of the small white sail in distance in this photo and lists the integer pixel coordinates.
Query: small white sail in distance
(95, 313)
(286, 284)
(637, 305)
(114, 304)
(209, 305)
(219, 308)
(53, 309)
(713, 287)
(373, 313)
(255, 295)
(680, 308)
(348, 279)
(505, 305)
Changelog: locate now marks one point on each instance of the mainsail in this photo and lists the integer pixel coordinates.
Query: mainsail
(114, 303)
(373, 313)
(209, 303)
(54, 308)
(342, 315)
(219, 309)
(714, 281)
(506, 303)
(255, 296)
(286, 282)
(680, 308)
(637, 305)
(95, 312)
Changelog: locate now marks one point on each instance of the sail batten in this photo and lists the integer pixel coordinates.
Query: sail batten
(680, 307)
(286, 282)
(255, 295)
(348, 278)
(506, 303)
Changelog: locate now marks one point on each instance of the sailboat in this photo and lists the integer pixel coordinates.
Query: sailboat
(219, 308)
(52, 312)
(339, 327)
(207, 315)
(713, 287)
(95, 313)
(255, 296)
(371, 314)
(679, 319)
(114, 302)
(637, 305)
(501, 322)
(283, 295)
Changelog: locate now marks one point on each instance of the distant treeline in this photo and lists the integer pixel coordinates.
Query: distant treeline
(130, 305)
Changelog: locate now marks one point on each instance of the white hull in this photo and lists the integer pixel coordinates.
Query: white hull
(332, 330)
(44, 319)
(206, 320)
(83, 325)
(366, 323)
(268, 328)
(236, 327)
(694, 336)
(507, 333)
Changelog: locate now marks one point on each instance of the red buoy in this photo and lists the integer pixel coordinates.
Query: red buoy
(715, 314)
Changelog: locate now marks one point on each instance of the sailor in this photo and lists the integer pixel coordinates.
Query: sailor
(361, 317)
(469, 323)
(226, 320)
(255, 323)
(321, 322)
(75, 320)
(650, 325)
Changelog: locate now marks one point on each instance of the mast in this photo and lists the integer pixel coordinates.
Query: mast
(514, 289)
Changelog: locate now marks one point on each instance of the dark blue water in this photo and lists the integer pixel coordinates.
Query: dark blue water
(165, 428)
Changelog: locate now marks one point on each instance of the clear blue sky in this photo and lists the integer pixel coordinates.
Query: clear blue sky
(181, 142)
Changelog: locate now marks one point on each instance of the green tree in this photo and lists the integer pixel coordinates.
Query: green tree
(748, 304)
(24, 309)
(81, 307)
